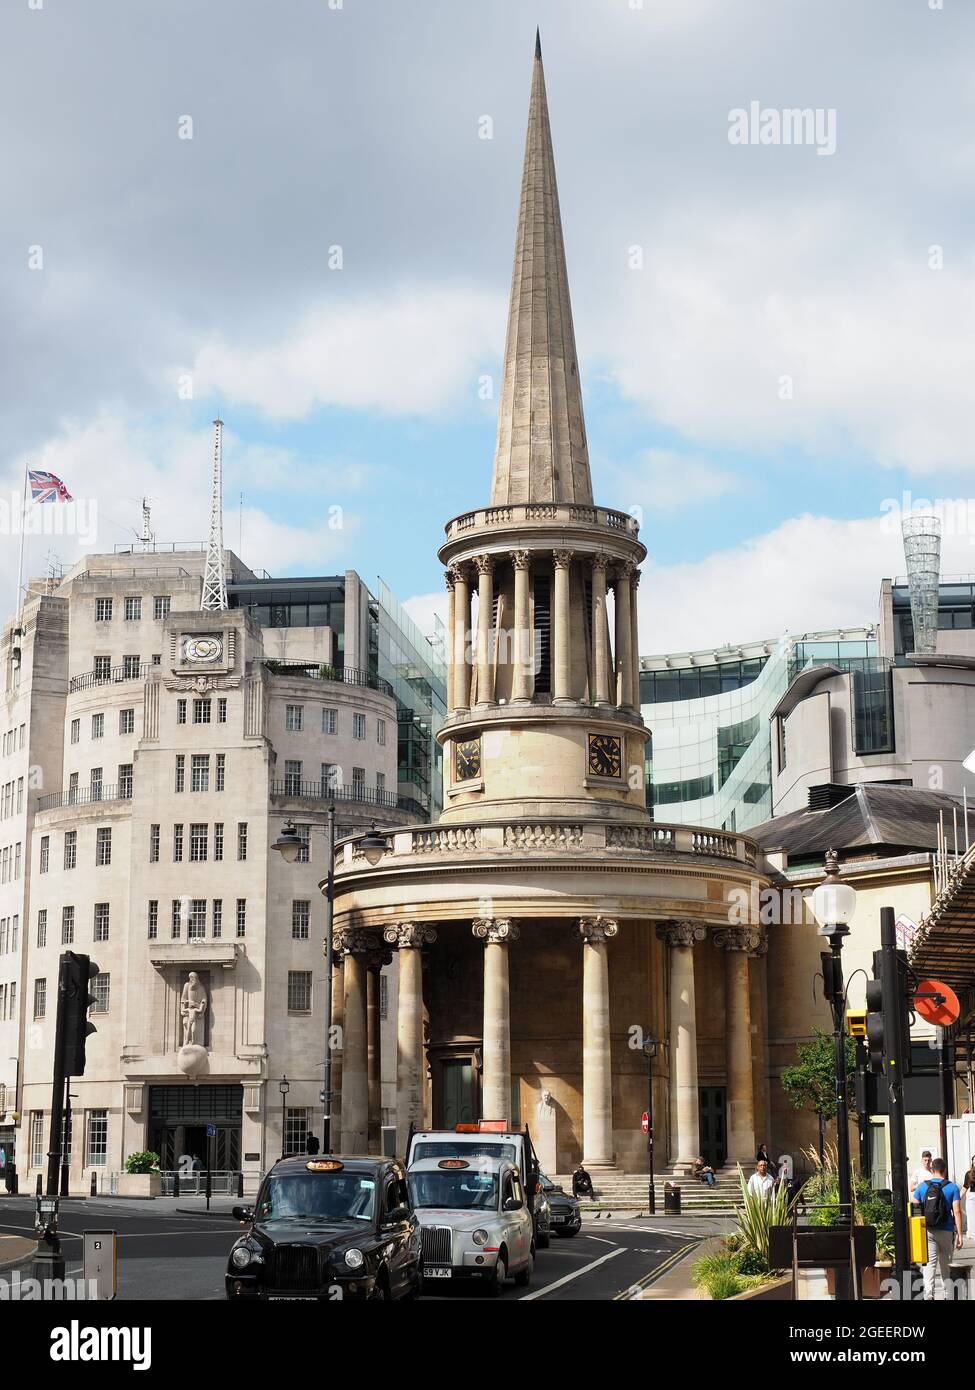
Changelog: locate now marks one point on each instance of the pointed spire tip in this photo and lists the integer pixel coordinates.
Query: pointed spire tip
(538, 43)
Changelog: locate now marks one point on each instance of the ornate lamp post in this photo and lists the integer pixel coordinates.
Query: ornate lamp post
(650, 1051)
(284, 1086)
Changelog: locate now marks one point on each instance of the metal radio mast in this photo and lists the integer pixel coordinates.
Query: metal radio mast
(214, 598)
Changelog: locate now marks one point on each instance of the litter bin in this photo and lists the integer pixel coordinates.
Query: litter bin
(671, 1199)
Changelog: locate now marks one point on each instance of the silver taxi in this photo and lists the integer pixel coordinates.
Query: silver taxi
(474, 1221)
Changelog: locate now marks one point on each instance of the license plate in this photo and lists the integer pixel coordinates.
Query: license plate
(557, 1219)
(291, 1298)
(436, 1273)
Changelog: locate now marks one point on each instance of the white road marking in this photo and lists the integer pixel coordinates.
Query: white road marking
(567, 1278)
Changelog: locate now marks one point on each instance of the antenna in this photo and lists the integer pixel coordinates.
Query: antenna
(214, 598)
(148, 535)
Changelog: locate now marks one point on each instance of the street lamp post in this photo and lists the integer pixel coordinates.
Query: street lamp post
(833, 904)
(650, 1051)
(284, 1087)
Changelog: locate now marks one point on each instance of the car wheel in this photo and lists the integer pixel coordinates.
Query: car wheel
(500, 1275)
(524, 1277)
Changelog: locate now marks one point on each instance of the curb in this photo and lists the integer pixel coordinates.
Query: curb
(26, 1254)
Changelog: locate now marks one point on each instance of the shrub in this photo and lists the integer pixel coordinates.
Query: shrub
(726, 1285)
(145, 1162)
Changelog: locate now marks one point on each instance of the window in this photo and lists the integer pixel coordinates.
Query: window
(381, 783)
(200, 772)
(221, 771)
(37, 1138)
(218, 840)
(97, 725)
(872, 698)
(103, 668)
(222, 711)
(17, 860)
(70, 848)
(72, 788)
(358, 726)
(198, 919)
(96, 783)
(126, 721)
(241, 916)
(180, 779)
(180, 711)
(330, 721)
(177, 844)
(199, 838)
(299, 991)
(45, 857)
(160, 607)
(20, 794)
(154, 844)
(103, 846)
(300, 912)
(292, 778)
(133, 609)
(304, 849)
(40, 998)
(101, 921)
(103, 610)
(75, 730)
(42, 927)
(100, 988)
(293, 718)
(358, 781)
(177, 918)
(152, 919)
(295, 1130)
(242, 840)
(201, 711)
(67, 926)
(130, 667)
(217, 918)
(125, 781)
(96, 1140)
(381, 732)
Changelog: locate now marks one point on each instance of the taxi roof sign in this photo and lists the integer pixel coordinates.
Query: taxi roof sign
(453, 1163)
(324, 1165)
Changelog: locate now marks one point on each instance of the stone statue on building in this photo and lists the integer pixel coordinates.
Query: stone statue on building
(192, 1007)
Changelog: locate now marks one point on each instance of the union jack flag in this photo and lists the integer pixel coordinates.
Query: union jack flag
(47, 487)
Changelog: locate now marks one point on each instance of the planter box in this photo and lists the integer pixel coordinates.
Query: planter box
(140, 1184)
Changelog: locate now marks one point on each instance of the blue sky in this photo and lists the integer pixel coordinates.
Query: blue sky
(703, 275)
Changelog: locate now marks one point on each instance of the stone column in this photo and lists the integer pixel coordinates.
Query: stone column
(635, 638)
(451, 656)
(460, 637)
(738, 942)
(374, 1056)
(562, 628)
(496, 932)
(597, 1074)
(624, 636)
(600, 631)
(686, 1142)
(409, 938)
(337, 1040)
(485, 622)
(758, 981)
(357, 947)
(522, 657)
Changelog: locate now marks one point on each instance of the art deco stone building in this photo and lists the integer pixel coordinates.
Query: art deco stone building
(545, 925)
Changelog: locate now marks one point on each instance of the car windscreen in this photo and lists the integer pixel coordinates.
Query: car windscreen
(322, 1196)
(450, 1148)
(467, 1191)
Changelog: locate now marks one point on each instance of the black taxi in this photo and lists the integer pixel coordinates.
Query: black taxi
(328, 1227)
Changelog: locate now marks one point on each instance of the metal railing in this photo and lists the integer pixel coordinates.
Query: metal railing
(85, 796)
(115, 676)
(322, 791)
(322, 671)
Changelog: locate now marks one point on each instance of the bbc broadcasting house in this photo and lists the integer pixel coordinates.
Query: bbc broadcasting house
(150, 754)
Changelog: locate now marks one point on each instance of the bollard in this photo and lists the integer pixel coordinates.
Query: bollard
(94, 1183)
(40, 1187)
(240, 1183)
(176, 1182)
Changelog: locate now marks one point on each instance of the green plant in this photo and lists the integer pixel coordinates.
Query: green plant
(145, 1162)
(759, 1211)
(726, 1285)
(810, 1083)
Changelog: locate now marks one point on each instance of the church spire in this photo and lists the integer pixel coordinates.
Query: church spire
(541, 453)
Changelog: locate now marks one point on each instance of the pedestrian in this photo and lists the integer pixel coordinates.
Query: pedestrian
(941, 1204)
(581, 1183)
(922, 1174)
(762, 1180)
(704, 1171)
(763, 1154)
(969, 1189)
(197, 1164)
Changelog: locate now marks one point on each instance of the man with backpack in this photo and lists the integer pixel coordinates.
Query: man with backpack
(941, 1204)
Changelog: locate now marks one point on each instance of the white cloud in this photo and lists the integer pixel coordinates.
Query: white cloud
(416, 352)
(663, 480)
(424, 609)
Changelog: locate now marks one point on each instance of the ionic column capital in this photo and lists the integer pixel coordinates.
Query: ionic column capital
(355, 941)
(563, 558)
(484, 564)
(595, 930)
(409, 935)
(737, 939)
(495, 931)
(677, 934)
(521, 559)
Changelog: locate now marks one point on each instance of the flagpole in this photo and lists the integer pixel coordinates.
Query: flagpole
(23, 533)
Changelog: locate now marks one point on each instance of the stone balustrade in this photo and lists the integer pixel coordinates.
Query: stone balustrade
(557, 513)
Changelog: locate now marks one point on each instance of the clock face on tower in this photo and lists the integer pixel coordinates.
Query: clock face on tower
(467, 759)
(201, 647)
(605, 755)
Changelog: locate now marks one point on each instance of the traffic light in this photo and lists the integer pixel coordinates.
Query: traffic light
(77, 972)
(884, 1015)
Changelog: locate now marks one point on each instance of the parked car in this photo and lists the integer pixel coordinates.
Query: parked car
(329, 1228)
(566, 1218)
(474, 1219)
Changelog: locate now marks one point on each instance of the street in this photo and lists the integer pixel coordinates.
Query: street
(170, 1251)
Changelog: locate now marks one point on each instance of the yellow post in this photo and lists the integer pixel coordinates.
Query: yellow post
(918, 1240)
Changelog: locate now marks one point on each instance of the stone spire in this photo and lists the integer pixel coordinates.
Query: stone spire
(541, 453)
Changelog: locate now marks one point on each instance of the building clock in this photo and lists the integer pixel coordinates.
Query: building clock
(605, 755)
(201, 647)
(467, 759)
